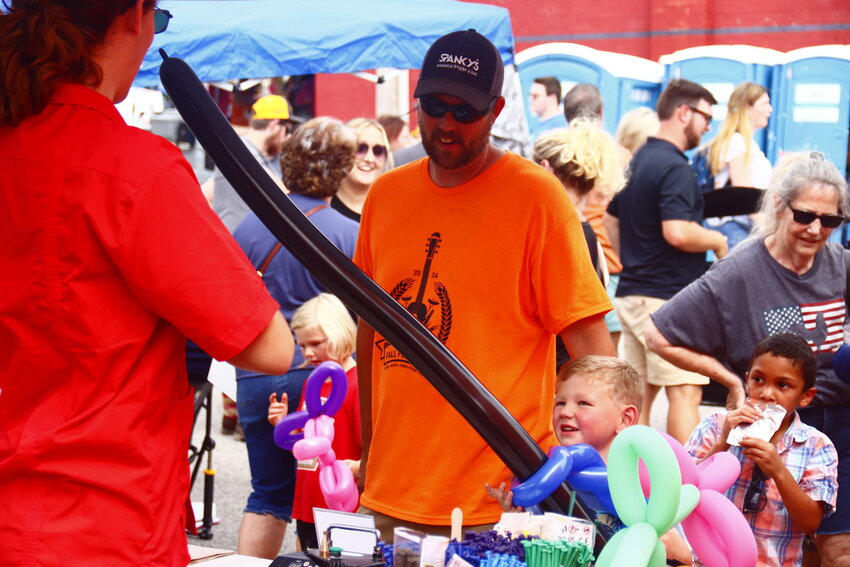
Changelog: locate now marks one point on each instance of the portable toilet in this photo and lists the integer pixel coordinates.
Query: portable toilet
(625, 81)
(721, 68)
(812, 109)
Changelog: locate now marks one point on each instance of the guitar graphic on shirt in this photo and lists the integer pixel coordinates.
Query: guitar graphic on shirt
(417, 308)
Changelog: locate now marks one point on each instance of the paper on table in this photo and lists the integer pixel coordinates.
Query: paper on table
(359, 540)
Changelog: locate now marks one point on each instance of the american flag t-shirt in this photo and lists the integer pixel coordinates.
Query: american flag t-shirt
(783, 319)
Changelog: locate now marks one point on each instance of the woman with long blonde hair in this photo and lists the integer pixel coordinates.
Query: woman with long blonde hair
(735, 158)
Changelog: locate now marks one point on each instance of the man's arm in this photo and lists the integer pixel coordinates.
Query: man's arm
(689, 359)
(588, 336)
(271, 352)
(612, 227)
(365, 343)
(689, 236)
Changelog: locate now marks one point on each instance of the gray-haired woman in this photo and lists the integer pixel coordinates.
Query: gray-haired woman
(788, 278)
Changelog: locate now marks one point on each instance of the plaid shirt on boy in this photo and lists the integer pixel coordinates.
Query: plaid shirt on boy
(810, 457)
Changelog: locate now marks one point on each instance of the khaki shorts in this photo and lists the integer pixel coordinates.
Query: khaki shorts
(634, 312)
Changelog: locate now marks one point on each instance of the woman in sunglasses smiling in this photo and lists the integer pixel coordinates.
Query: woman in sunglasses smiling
(788, 278)
(371, 159)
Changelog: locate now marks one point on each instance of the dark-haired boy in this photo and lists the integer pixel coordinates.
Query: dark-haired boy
(788, 484)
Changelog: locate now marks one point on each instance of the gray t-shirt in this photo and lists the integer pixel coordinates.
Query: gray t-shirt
(227, 203)
(748, 296)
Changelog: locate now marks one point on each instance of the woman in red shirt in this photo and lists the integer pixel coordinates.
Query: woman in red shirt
(111, 259)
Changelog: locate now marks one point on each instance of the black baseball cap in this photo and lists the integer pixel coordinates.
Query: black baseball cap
(463, 64)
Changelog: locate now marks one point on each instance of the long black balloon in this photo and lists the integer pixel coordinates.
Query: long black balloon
(514, 446)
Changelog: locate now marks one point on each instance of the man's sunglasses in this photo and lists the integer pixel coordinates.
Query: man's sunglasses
(707, 115)
(463, 112)
(808, 217)
(160, 20)
(379, 151)
(755, 499)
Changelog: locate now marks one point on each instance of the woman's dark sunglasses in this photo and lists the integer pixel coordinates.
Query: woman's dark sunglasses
(463, 112)
(755, 499)
(378, 151)
(808, 217)
(160, 20)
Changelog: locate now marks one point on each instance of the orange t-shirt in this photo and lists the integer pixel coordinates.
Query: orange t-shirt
(494, 268)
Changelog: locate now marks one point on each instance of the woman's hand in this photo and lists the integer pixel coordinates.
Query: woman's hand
(278, 409)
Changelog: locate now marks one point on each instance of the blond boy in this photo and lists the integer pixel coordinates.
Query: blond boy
(596, 397)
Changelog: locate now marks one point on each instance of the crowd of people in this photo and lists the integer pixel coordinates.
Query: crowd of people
(574, 285)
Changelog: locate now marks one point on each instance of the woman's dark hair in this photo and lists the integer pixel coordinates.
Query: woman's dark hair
(48, 42)
(794, 349)
(317, 156)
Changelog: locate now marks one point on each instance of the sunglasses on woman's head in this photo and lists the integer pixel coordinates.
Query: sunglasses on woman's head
(378, 150)
(808, 217)
(463, 112)
(160, 19)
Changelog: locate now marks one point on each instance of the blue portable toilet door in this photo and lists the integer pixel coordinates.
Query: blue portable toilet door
(567, 69)
(624, 81)
(815, 113)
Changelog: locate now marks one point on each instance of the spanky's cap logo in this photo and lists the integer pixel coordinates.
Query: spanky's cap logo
(464, 64)
(459, 62)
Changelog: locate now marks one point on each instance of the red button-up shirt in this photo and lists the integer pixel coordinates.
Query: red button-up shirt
(109, 259)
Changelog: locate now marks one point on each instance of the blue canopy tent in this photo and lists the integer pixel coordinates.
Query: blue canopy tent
(252, 39)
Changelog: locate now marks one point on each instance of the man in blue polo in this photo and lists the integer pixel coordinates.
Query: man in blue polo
(656, 224)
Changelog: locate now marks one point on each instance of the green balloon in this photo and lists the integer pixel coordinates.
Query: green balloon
(688, 500)
(661, 510)
(635, 546)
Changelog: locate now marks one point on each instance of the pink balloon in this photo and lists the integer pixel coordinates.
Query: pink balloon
(718, 472)
(322, 426)
(328, 458)
(716, 529)
(690, 475)
(337, 485)
(311, 448)
(719, 533)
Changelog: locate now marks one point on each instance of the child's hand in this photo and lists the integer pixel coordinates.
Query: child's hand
(278, 409)
(764, 455)
(676, 547)
(354, 466)
(503, 496)
(748, 413)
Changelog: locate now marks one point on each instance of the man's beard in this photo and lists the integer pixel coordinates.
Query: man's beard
(692, 139)
(470, 148)
(273, 146)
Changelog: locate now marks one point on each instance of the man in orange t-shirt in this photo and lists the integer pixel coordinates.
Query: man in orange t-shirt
(484, 248)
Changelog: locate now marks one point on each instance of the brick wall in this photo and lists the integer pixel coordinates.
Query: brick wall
(646, 28)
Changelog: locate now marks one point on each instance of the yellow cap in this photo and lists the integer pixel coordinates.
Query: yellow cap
(271, 107)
